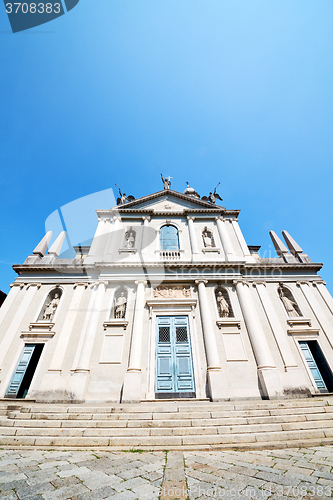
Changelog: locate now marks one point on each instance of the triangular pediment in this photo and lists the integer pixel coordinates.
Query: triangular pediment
(168, 201)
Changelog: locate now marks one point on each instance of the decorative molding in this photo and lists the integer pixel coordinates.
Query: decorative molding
(41, 325)
(115, 322)
(37, 336)
(127, 250)
(303, 331)
(172, 292)
(146, 218)
(211, 249)
(228, 322)
(299, 321)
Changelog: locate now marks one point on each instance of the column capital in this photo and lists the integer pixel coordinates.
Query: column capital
(299, 283)
(319, 282)
(38, 285)
(78, 283)
(255, 283)
(116, 217)
(219, 217)
(146, 218)
(138, 282)
(190, 217)
(234, 220)
(197, 282)
(242, 281)
(21, 285)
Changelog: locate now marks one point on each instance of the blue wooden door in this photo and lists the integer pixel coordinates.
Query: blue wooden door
(174, 367)
(20, 371)
(313, 367)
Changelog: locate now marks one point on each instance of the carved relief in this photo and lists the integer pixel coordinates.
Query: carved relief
(223, 303)
(172, 292)
(50, 305)
(130, 236)
(289, 302)
(120, 304)
(208, 238)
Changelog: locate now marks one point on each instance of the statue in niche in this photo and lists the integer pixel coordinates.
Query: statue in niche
(120, 306)
(51, 308)
(129, 238)
(166, 182)
(289, 305)
(208, 238)
(222, 305)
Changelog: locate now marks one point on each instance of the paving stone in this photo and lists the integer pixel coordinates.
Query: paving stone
(125, 495)
(98, 494)
(27, 491)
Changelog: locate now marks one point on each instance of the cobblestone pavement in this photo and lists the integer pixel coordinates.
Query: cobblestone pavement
(89, 475)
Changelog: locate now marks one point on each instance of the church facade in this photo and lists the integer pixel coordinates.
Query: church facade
(168, 302)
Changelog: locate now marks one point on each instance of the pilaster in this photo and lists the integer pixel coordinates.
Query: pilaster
(133, 376)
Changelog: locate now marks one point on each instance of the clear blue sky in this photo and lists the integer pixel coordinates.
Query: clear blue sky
(237, 91)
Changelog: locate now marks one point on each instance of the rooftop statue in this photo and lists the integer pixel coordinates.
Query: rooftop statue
(211, 198)
(166, 182)
(123, 198)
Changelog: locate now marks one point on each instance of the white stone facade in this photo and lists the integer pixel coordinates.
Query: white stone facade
(97, 347)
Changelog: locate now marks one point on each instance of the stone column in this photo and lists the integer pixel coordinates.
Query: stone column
(12, 330)
(242, 242)
(320, 285)
(193, 238)
(216, 379)
(132, 379)
(225, 240)
(323, 320)
(79, 378)
(267, 371)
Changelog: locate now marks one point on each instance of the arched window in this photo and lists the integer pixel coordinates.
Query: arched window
(50, 305)
(169, 238)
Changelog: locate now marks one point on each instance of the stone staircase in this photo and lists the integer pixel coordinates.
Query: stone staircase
(167, 424)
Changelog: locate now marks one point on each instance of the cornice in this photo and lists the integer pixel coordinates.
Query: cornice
(180, 264)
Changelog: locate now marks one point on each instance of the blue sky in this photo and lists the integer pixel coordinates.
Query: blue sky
(236, 91)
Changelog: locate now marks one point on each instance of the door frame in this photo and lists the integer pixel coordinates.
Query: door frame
(183, 307)
(305, 338)
(14, 364)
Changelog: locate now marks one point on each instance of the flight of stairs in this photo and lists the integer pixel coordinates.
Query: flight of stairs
(167, 425)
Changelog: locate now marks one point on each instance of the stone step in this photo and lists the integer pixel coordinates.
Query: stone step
(167, 426)
(297, 421)
(163, 442)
